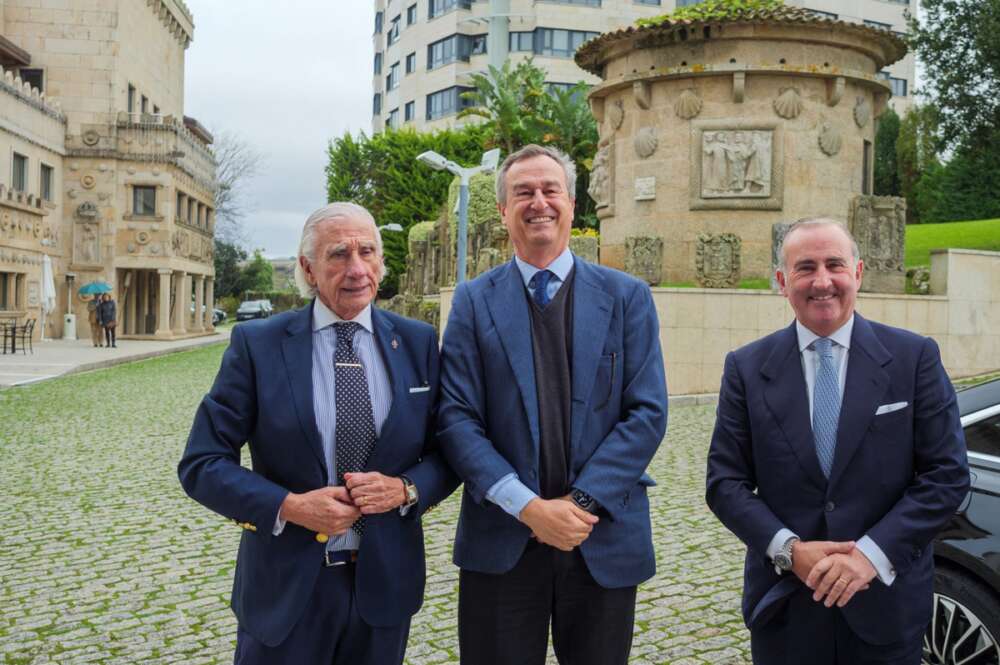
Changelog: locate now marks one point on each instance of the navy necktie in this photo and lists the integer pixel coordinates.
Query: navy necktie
(826, 403)
(539, 284)
(355, 435)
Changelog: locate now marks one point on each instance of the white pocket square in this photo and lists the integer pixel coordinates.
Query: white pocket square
(420, 389)
(889, 408)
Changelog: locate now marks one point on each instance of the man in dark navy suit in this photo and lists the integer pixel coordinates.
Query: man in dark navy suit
(837, 455)
(336, 401)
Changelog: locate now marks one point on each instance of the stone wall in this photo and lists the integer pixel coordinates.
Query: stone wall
(699, 326)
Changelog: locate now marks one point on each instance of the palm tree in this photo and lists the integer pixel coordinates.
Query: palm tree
(510, 101)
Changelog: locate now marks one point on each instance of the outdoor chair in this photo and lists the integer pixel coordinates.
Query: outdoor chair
(7, 333)
(25, 334)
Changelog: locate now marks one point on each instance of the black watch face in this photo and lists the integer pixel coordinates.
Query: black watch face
(582, 500)
(783, 561)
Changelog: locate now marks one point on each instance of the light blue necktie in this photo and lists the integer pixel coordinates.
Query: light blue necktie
(826, 404)
(540, 287)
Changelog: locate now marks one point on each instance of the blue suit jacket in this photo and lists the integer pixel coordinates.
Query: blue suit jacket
(488, 415)
(263, 395)
(896, 477)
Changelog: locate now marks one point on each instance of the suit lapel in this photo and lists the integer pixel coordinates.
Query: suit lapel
(592, 308)
(509, 308)
(385, 336)
(786, 396)
(296, 349)
(864, 387)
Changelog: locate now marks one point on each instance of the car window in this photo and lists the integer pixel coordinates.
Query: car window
(984, 437)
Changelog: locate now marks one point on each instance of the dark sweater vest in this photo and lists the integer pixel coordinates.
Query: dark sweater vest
(551, 342)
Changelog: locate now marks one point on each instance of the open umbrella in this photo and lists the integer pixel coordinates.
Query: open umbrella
(93, 288)
(48, 290)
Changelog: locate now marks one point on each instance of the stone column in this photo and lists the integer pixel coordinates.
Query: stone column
(163, 316)
(199, 300)
(130, 309)
(181, 207)
(209, 303)
(182, 300)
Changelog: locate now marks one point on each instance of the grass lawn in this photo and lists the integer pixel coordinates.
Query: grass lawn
(922, 238)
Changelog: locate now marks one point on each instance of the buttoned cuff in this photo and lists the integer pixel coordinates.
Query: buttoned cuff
(779, 539)
(883, 567)
(510, 494)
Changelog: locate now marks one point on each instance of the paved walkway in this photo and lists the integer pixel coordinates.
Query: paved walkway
(56, 357)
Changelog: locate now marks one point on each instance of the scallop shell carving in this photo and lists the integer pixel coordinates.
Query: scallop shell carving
(645, 142)
(688, 105)
(788, 104)
(616, 114)
(829, 140)
(862, 112)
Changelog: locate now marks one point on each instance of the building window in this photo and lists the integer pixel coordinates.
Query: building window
(392, 121)
(393, 35)
(821, 14)
(144, 201)
(131, 98)
(522, 41)
(33, 77)
(655, 3)
(478, 44)
(377, 103)
(685, 3)
(156, 110)
(455, 47)
(411, 63)
(446, 102)
(559, 43)
(898, 86)
(180, 207)
(45, 188)
(144, 104)
(20, 173)
(379, 16)
(409, 111)
(411, 14)
(392, 80)
(378, 63)
(585, 3)
(878, 25)
(438, 7)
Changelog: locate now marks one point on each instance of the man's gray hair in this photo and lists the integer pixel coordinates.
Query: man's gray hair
(533, 150)
(807, 222)
(342, 210)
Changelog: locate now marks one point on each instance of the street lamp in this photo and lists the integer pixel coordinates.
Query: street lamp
(439, 163)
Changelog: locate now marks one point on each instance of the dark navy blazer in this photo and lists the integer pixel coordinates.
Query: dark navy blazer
(263, 396)
(896, 477)
(488, 416)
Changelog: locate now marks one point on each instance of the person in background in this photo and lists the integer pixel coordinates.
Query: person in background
(107, 316)
(96, 330)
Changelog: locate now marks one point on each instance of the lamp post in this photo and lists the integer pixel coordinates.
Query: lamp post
(439, 163)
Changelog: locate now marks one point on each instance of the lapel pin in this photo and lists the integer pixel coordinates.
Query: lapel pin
(395, 343)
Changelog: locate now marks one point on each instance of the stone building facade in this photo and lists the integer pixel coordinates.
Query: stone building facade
(120, 183)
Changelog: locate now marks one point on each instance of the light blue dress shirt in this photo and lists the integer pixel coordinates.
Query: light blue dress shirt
(841, 353)
(325, 395)
(509, 492)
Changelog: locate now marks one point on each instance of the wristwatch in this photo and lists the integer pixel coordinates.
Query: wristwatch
(584, 500)
(783, 557)
(411, 492)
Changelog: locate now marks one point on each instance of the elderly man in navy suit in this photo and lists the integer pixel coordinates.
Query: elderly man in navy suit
(336, 402)
(837, 455)
(553, 402)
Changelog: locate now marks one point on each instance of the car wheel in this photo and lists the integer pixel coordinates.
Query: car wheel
(965, 624)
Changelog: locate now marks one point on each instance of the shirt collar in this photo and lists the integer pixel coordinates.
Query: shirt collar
(323, 316)
(560, 267)
(841, 336)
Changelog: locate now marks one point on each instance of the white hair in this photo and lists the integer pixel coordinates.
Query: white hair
(813, 222)
(332, 212)
(533, 150)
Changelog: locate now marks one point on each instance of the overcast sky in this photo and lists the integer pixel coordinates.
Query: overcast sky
(287, 77)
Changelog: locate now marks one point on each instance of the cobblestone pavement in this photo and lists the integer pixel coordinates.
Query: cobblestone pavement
(103, 559)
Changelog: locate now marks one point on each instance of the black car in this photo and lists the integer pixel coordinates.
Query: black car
(965, 627)
(253, 309)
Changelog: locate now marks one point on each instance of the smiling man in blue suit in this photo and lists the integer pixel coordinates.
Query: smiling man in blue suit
(336, 401)
(553, 403)
(837, 455)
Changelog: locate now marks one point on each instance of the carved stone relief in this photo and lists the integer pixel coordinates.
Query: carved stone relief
(87, 181)
(736, 163)
(879, 225)
(778, 232)
(829, 139)
(862, 112)
(644, 258)
(586, 247)
(717, 260)
(688, 105)
(616, 113)
(645, 188)
(601, 187)
(645, 142)
(788, 104)
(87, 248)
(86, 211)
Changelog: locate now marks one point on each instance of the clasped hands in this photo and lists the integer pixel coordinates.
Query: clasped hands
(558, 522)
(332, 510)
(835, 571)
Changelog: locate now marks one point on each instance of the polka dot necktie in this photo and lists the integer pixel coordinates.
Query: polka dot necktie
(355, 436)
(826, 403)
(539, 284)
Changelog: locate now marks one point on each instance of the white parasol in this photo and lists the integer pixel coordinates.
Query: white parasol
(48, 290)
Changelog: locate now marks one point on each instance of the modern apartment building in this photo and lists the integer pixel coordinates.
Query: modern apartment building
(426, 50)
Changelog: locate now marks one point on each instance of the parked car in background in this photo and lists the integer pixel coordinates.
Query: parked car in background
(218, 316)
(254, 309)
(965, 626)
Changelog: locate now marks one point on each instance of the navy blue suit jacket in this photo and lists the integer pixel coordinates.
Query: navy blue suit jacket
(488, 415)
(263, 396)
(896, 477)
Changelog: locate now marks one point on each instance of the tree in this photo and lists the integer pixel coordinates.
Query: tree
(917, 147)
(228, 274)
(886, 171)
(236, 163)
(571, 127)
(257, 275)
(958, 42)
(511, 101)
